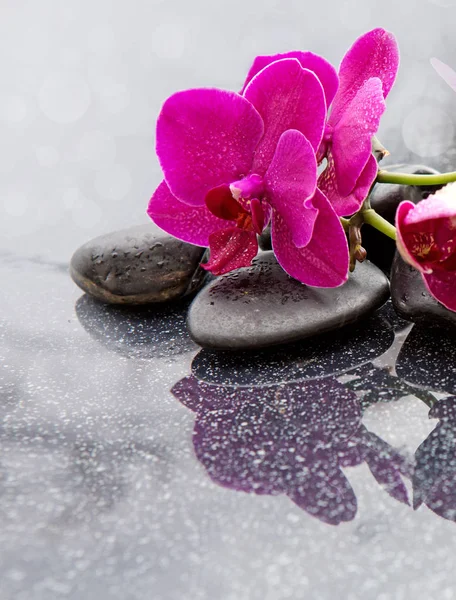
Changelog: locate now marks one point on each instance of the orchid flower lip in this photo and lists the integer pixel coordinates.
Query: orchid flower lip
(248, 187)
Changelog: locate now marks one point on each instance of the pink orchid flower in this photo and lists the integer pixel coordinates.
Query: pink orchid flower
(233, 162)
(426, 239)
(366, 76)
(357, 99)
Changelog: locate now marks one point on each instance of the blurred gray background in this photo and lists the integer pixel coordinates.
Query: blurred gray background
(82, 83)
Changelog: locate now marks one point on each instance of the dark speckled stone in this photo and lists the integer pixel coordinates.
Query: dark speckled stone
(264, 240)
(261, 306)
(411, 299)
(137, 266)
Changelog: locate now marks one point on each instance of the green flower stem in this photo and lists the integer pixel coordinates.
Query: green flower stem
(345, 223)
(375, 220)
(409, 179)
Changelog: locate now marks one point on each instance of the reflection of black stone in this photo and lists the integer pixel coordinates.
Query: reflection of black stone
(434, 480)
(373, 384)
(411, 298)
(328, 354)
(141, 332)
(385, 198)
(428, 358)
(289, 439)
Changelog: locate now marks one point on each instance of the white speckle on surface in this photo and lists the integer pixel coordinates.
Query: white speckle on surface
(64, 97)
(428, 131)
(113, 182)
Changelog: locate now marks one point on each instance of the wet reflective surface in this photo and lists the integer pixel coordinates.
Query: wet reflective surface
(134, 465)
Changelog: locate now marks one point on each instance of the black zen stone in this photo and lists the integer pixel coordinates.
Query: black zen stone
(264, 240)
(261, 306)
(411, 298)
(137, 266)
(384, 199)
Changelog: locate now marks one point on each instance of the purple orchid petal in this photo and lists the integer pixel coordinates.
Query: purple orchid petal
(442, 285)
(325, 72)
(445, 72)
(287, 97)
(351, 141)
(205, 138)
(291, 180)
(402, 212)
(324, 261)
(374, 54)
(441, 205)
(347, 205)
(192, 224)
(258, 214)
(230, 249)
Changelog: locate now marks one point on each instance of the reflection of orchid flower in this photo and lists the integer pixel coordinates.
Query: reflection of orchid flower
(289, 439)
(434, 480)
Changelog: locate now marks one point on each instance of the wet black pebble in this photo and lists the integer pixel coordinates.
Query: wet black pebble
(137, 266)
(411, 299)
(261, 306)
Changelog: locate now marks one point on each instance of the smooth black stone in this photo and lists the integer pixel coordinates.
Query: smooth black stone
(137, 266)
(411, 298)
(428, 358)
(384, 199)
(261, 306)
(140, 332)
(264, 240)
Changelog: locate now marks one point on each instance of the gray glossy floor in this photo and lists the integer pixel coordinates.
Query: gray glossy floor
(104, 491)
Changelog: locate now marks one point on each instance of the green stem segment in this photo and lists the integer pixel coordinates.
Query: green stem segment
(375, 220)
(410, 179)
